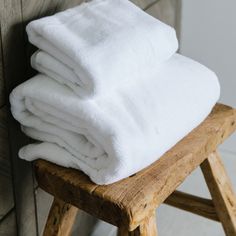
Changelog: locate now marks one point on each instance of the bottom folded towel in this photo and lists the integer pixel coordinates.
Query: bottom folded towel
(117, 134)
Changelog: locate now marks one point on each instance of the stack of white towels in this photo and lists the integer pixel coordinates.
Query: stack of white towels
(112, 94)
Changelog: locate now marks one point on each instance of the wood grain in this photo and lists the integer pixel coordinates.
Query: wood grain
(8, 225)
(4, 145)
(132, 199)
(14, 67)
(6, 195)
(61, 219)
(221, 191)
(6, 190)
(197, 205)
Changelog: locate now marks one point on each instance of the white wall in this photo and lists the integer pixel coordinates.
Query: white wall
(208, 35)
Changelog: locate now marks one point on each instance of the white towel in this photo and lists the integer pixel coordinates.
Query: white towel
(113, 136)
(100, 44)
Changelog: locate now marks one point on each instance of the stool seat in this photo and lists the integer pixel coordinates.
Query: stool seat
(129, 202)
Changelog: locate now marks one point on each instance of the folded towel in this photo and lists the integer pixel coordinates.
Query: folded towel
(113, 136)
(100, 44)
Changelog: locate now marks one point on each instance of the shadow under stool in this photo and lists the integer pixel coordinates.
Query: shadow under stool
(131, 203)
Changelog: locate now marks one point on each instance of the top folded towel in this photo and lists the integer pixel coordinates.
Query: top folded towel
(100, 44)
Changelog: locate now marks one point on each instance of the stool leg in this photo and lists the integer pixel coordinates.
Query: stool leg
(60, 219)
(147, 228)
(221, 191)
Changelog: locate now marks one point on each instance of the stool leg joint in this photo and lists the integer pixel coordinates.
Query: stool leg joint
(221, 191)
(60, 219)
(146, 228)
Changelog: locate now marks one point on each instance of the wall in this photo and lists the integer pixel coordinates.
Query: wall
(7, 213)
(208, 34)
(31, 203)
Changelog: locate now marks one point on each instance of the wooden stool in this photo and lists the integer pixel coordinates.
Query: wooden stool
(130, 204)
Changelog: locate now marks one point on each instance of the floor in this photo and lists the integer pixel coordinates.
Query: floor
(172, 221)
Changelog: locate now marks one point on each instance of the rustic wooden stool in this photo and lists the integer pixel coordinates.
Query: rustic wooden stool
(130, 204)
